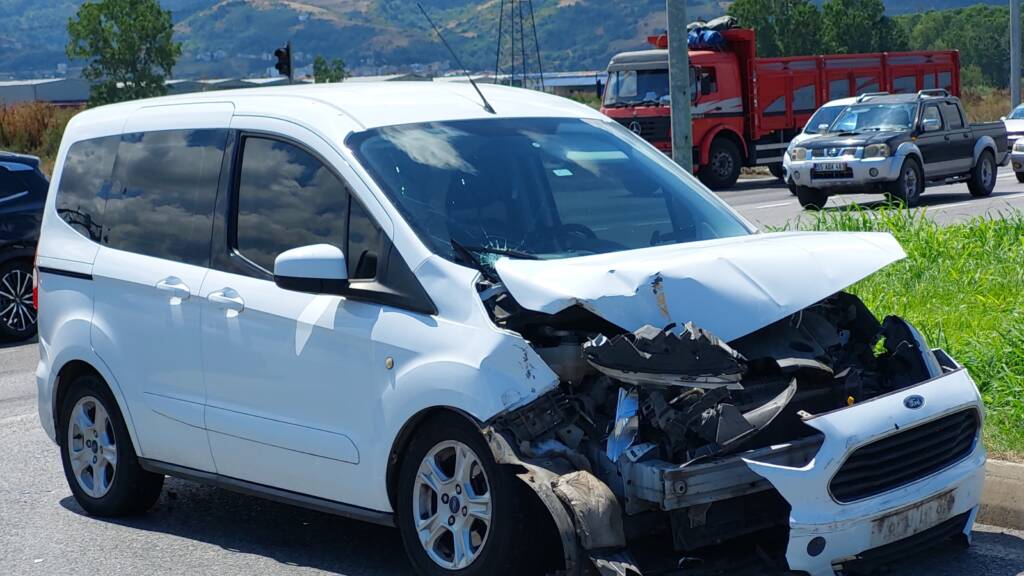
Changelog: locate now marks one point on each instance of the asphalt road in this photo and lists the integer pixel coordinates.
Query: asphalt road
(196, 529)
(767, 202)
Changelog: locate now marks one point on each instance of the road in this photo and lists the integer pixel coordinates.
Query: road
(196, 529)
(767, 203)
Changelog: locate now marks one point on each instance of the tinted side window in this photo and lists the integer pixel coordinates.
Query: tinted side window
(10, 184)
(286, 198)
(952, 116)
(165, 186)
(85, 183)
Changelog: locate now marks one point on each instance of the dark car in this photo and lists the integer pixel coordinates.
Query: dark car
(898, 144)
(22, 195)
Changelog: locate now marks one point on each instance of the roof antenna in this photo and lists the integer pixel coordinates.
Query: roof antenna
(487, 105)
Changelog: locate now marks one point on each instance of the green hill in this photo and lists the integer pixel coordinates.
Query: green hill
(232, 37)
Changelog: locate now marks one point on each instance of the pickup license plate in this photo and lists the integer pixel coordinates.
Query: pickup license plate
(912, 519)
(830, 167)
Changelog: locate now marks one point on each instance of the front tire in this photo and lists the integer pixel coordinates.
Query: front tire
(983, 175)
(17, 314)
(1020, 176)
(457, 508)
(909, 186)
(723, 168)
(777, 170)
(99, 460)
(811, 198)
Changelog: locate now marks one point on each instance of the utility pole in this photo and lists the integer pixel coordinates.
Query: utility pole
(679, 84)
(1014, 53)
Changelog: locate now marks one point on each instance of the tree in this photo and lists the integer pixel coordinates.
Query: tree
(129, 47)
(325, 71)
(784, 27)
(855, 26)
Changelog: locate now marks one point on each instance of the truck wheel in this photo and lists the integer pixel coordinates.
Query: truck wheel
(99, 460)
(723, 168)
(776, 170)
(907, 188)
(811, 198)
(1020, 176)
(983, 176)
(457, 508)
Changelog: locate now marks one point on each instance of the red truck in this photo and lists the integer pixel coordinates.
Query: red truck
(746, 109)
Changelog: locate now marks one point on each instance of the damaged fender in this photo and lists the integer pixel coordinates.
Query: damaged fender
(729, 287)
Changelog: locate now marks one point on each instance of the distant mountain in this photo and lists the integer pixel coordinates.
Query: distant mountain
(235, 37)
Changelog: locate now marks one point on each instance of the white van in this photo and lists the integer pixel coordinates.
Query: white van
(504, 333)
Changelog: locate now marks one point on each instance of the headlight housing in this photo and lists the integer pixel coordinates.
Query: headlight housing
(876, 151)
(798, 153)
(1018, 146)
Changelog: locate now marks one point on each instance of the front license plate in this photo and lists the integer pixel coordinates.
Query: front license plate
(912, 519)
(830, 167)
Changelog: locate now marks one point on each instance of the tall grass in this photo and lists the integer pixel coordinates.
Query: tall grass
(34, 128)
(962, 285)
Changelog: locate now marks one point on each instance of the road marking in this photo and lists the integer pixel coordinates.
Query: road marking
(776, 205)
(974, 202)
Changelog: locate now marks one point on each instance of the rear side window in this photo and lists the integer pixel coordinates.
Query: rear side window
(10, 185)
(85, 183)
(165, 187)
(287, 198)
(951, 114)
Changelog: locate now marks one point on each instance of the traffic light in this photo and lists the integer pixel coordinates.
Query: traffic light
(284, 60)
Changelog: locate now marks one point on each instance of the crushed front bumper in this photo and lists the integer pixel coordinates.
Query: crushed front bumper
(861, 173)
(826, 533)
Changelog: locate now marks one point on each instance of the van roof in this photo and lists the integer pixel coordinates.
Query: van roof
(366, 104)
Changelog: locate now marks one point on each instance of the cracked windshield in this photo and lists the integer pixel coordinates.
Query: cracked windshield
(537, 188)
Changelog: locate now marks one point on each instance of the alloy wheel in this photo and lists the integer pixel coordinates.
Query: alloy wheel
(16, 310)
(986, 172)
(451, 505)
(910, 185)
(92, 447)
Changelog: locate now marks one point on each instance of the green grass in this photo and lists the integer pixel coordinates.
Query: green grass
(962, 286)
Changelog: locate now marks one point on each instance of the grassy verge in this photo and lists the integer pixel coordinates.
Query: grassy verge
(963, 287)
(35, 129)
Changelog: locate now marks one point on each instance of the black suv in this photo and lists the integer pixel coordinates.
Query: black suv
(22, 195)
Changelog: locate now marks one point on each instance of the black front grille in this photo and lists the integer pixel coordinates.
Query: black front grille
(832, 174)
(906, 456)
(651, 128)
(870, 561)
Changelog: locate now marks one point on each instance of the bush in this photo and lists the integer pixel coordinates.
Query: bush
(963, 287)
(34, 128)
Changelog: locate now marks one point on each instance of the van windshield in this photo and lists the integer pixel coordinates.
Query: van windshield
(538, 188)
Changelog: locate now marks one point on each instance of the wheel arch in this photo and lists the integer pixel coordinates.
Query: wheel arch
(984, 143)
(71, 369)
(909, 150)
(723, 132)
(405, 435)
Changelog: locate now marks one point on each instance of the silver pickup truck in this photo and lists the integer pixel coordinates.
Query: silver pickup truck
(897, 144)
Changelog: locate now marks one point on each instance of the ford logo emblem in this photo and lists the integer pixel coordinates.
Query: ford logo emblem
(635, 128)
(913, 402)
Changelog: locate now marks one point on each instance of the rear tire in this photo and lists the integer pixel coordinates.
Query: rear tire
(983, 175)
(17, 315)
(1020, 176)
(909, 186)
(99, 460)
(434, 504)
(811, 198)
(723, 167)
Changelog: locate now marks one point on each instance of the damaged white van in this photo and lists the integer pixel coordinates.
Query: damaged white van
(503, 333)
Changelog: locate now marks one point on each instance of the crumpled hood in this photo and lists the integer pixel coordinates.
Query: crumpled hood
(730, 286)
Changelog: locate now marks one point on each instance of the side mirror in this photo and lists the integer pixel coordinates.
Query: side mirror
(824, 127)
(1003, 118)
(317, 269)
(931, 124)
